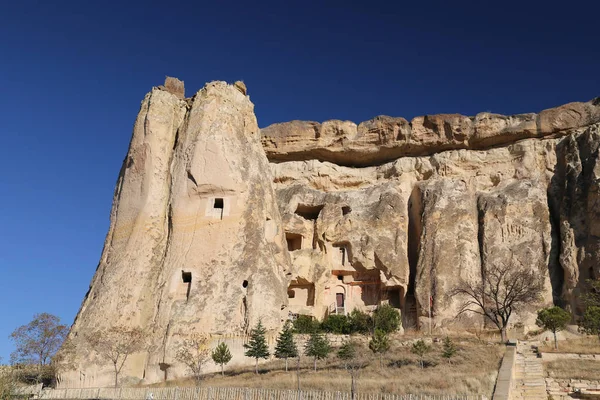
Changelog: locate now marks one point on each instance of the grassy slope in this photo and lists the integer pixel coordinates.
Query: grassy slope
(472, 371)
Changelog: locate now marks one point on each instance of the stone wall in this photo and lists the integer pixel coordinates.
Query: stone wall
(505, 382)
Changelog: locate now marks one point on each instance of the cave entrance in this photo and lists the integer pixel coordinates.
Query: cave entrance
(294, 241)
(309, 212)
(395, 297)
(186, 278)
(218, 207)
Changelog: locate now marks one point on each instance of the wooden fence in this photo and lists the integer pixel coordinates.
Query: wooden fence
(210, 393)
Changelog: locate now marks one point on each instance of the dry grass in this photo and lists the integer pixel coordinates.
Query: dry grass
(473, 371)
(573, 369)
(586, 345)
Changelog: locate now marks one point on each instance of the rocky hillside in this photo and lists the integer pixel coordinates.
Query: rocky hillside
(217, 224)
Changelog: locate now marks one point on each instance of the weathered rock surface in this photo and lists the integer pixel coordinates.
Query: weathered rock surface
(449, 251)
(384, 138)
(195, 243)
(514, 229)
(575, 192)
(210, 231)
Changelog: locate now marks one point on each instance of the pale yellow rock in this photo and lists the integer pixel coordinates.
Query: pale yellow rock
(211, 232)
(188, 249)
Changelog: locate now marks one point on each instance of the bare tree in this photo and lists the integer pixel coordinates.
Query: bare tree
(116, 345)
(36, 343)
(194, 352)
(503, 290)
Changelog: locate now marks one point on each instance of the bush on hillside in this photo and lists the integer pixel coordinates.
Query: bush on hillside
(360, 322)
(386, 318)
(335, 323)
(306, 324)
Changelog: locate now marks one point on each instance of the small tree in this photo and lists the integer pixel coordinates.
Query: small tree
(348, 353)
(590, 321)
(554, 319)
(318, 347)
(38, 341)
(193, 352)
(379, 344)
(285, 347)
(448, 349)
(420, 348)
(592, 296)
(257, 345)
(116, 345)
(221, 356)
(505, 288)
(386, 318)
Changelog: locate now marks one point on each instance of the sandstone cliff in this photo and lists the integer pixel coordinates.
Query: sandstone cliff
(210, 231)
(195, 243)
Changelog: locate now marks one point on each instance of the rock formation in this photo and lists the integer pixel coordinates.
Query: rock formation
(210, 231)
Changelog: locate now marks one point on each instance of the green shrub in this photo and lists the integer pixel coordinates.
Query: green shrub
(306, 324)
(360, 322)
(336, 323)
(386, 318)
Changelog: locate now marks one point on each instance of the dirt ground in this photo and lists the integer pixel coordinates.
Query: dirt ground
(583, 345)
(573, 369)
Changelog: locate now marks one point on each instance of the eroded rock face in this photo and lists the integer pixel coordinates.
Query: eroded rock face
(210, 231)
(195, 243)
(449, 251)
(576, 195)
(515, 230)
(349, 249)
(384, 138)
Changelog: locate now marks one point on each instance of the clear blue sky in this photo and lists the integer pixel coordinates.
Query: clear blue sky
(73, 74)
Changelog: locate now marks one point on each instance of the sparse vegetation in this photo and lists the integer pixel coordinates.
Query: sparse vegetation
(449, 349)
(554, 319)
(285, 347)
(36, 343)
(116, 345)
(193, 352)
(318, 347)
(379, 344)
(506, 288)
(573, 369)
(420, 348)
(590, 321)
(7, 383)
(473, 371)
(352, 361)
(257, 345)
(584, 345)
(221, 356)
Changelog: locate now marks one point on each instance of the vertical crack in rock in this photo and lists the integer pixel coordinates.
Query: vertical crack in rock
(415, 227)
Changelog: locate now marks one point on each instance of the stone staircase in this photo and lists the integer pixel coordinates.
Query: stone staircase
(529, 374)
